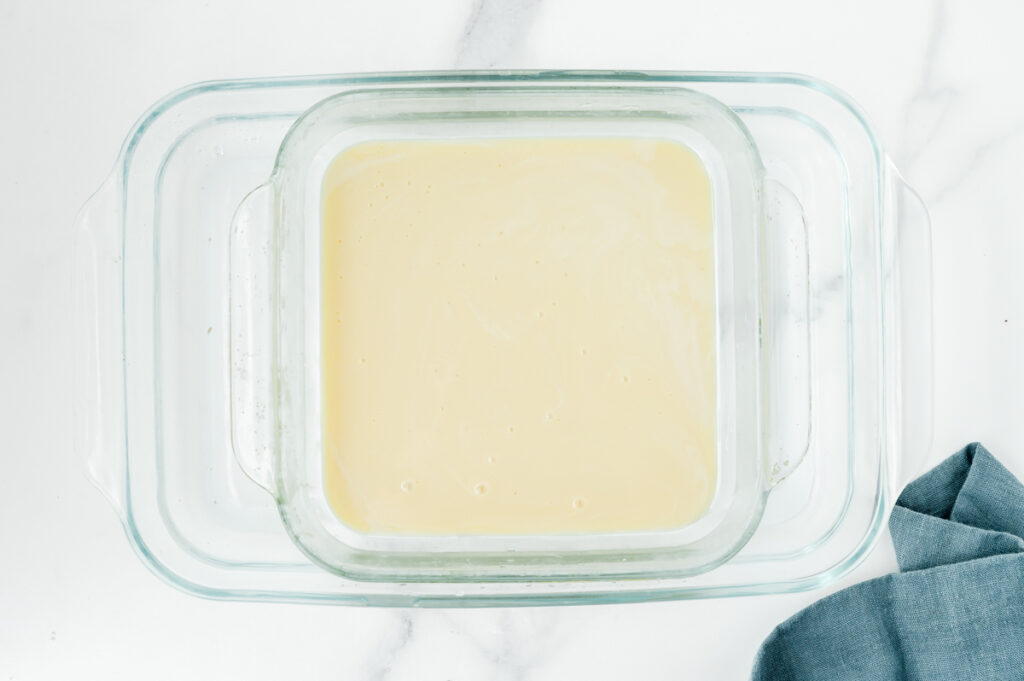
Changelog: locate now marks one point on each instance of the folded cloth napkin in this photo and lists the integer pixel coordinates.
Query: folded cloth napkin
(954, 611)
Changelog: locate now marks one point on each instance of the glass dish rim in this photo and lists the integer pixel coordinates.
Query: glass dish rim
(123, 167)
(295, 179)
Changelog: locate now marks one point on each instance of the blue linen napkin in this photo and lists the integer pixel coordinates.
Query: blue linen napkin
(954, 611)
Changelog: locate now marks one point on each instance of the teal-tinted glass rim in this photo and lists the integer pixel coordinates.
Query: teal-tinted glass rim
(627, 79)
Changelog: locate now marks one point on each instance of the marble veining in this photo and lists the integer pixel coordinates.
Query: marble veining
(928, 115)
(518, 644)
(520, 641)
(931, 102)
(494, 33)
(977, 159)
(381, 661)
(940, 80)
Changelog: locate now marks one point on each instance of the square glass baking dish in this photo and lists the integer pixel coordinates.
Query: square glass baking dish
(831, 311)
(283, 219)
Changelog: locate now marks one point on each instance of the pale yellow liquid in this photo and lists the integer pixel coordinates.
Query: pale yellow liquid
(518, 336)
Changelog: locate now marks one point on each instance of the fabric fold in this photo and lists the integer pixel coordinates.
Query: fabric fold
(954, 611)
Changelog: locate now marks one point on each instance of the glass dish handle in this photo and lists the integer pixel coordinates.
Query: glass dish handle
(251, 320)
(785, 333)
(907, 278)
(98, 373)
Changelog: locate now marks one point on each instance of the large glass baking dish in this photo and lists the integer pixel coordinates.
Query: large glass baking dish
(175, 350)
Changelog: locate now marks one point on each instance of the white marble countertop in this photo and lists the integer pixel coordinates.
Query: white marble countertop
(941, 81)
